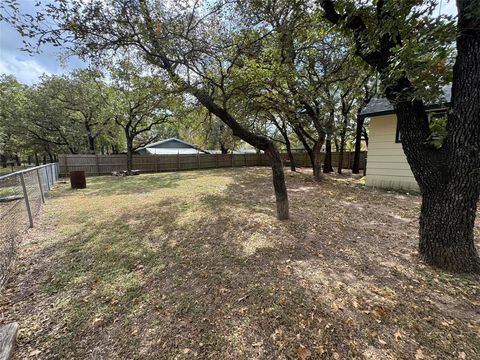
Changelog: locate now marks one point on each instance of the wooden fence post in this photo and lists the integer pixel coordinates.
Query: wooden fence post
(66, 165)
(25, 196)
(98, 165)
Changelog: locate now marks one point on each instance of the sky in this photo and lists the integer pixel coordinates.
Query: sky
(28, 68)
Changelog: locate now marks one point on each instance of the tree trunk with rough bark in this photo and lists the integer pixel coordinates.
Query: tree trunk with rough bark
(358, 144)
(279, 185)
(449, 209)
(343, 134)
(327, 163)
(317, 160)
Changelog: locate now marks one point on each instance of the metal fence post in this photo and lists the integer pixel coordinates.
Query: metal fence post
(40, 185)
(48, 177)
(25, 196)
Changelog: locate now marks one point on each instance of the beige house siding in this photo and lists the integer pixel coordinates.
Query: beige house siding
(387, 166)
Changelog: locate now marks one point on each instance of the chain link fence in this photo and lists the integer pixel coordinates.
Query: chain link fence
(21, 197)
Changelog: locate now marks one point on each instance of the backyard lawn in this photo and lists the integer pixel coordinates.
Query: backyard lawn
(195, 265)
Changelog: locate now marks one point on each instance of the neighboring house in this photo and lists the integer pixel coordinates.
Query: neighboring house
(387, 166)
(170, 146)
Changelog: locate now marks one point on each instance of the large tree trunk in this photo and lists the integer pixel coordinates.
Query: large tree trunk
(358, 144)
(4, 160)
(327, 163)
(343, 134)
(446, 227)
(448, 214)
(317, 160)
(449, 178)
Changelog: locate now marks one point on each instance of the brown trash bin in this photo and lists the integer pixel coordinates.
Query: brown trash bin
(77, 180)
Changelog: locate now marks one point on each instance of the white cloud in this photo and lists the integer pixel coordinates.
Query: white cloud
(25, 67)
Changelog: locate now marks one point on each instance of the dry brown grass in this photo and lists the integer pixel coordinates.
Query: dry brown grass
(194, 265)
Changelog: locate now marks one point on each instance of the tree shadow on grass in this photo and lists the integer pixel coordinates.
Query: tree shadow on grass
(117, 185)
(217, 276)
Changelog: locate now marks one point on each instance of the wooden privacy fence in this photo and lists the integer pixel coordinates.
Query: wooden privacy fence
(105, 164)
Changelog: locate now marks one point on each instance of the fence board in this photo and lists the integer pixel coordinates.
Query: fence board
(105, 164)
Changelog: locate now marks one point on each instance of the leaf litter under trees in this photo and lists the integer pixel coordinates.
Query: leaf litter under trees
(194, 265)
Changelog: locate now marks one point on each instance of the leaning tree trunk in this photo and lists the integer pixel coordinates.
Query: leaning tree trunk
(279, 186)
(305, 144)
(327, 163)
(358, 144)
(258, 141)
(293, 166)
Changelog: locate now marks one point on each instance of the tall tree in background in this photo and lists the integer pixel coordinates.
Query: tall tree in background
(140, 104)
(81, 94)
(48, 122)
(12, 103)
(407, 46)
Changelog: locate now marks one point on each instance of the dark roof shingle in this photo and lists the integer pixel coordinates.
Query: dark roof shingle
(379, 106)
